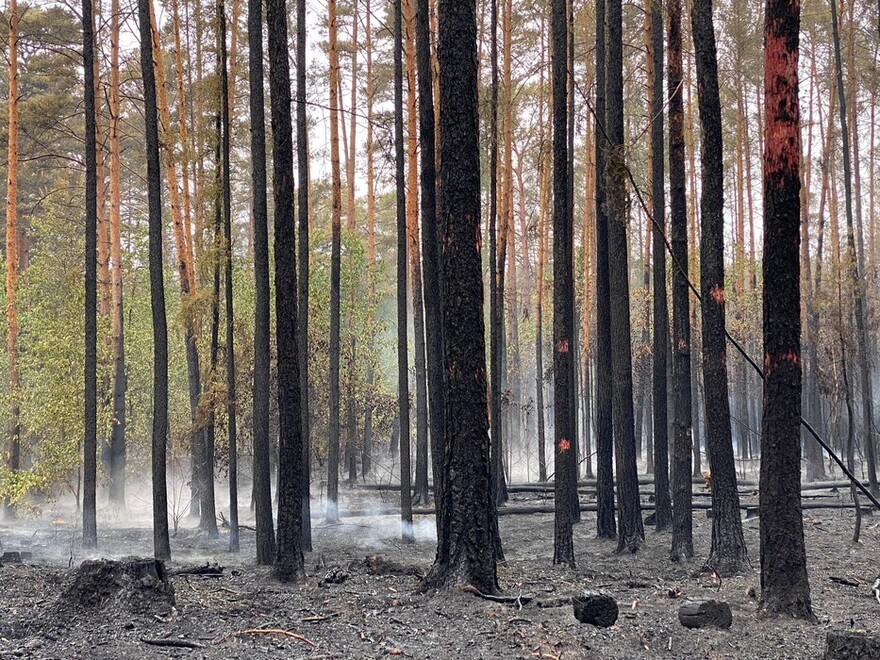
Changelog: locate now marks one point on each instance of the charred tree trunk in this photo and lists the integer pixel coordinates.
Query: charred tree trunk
(728, 555)
(262, 478)
(606, 526)
(289, 563)
(469, 520)
(631, 532)
(161, 541)
(682, 535)
(564, 346)
(661, 310)
(784, 585)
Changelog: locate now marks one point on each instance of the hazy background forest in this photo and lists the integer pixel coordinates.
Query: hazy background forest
(49, 295)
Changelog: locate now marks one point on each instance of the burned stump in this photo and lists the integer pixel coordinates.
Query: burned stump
(595, 608)
(136, 585)
(705, 614)
(851, 645)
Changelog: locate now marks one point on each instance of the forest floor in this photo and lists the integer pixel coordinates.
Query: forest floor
(354, 608)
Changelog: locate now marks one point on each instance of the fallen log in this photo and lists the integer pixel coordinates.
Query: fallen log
(851, 645)
(705, 614)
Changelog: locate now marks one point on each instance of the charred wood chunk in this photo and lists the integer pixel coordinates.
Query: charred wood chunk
(705, 614)
(851, 645)
(595, 608)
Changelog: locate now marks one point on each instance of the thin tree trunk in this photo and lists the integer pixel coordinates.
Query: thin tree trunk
(161, 540)
(402, 357)
(631, 532)
(332, 511)
(90, 420)
(606, 526)
(682, 536)
(302, 210)
(728, 555)
(117, 438)
(262, 471)
(563, 294)
(661, 310)
(367, 448)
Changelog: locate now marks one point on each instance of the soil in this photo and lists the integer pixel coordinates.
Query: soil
(360, 599)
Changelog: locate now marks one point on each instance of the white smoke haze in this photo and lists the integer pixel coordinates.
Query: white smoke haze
(51, 529)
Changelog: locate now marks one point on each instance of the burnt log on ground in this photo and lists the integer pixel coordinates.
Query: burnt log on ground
(595, 608)
(851, 645)
(705, 614)
(208, 570)
(136, 585)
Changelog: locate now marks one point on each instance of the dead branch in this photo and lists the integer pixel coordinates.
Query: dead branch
(276, 631)
(177, 643)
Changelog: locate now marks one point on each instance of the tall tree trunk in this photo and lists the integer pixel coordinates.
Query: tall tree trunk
(402, 356)
(260, 212)
(117, 438)
(289, 563)
(469, 519)
(544, 193)
(161, 541)
(367, 448)
(728, 555)
(496, 277)
(858, 284)
(202, 491)
(564, 347)
(90, 420)
(631, 532)
(302, 210)
(415, 261)
(430, 248)
(784, 585)
(660, 389)
(332, 511)
(682, 536)
(606, 526)
(13, 428)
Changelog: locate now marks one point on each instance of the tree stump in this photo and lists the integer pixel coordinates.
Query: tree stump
(851, 645)
(136, 585)
(595, 608)
(705, 614)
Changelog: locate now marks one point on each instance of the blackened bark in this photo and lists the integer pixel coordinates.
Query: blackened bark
(784, 585)
(221, 220)
(302, 157)
(858, 282)
(262, 479)
(606, 526)
(496, 276)
(431, 276)
(728, 555)
(682, 458)
(469, 518)
(161, 541)
(289, 564)
(402, 356)
(564, 393)
(631, 531)
(661, 310)
(90, 409)
(332, 507)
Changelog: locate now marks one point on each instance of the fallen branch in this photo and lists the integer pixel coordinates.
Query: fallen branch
(510, 600)
(176, 643)
(208, 570)
(276, 631)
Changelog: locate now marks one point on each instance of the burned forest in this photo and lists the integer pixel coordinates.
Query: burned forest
(440, 329)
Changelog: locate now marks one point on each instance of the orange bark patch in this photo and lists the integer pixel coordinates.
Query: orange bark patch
(717, 294)
(562, 346)
(564, 445)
